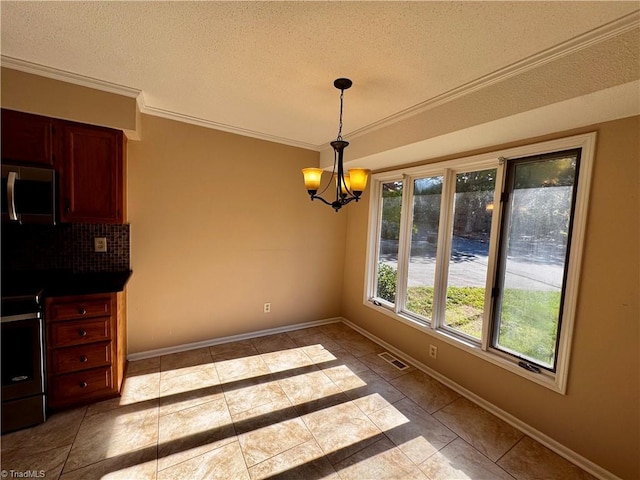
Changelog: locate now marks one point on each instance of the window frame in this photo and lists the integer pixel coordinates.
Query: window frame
(556, 381)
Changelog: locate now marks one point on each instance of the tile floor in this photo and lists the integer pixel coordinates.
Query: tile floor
(309, 404)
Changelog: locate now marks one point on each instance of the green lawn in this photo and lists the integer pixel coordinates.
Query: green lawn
(529, 318)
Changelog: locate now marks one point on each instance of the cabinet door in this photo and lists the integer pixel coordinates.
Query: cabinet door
(26, 138)
(92, 173)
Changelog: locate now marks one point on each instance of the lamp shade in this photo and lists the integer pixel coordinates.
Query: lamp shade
(359, 177)
(312, 177)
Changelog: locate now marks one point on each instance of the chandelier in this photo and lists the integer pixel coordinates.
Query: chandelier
(348, 187)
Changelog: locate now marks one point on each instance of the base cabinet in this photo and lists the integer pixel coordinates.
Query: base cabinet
(85, 348)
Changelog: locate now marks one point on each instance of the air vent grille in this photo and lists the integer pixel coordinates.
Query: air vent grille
(387, 357)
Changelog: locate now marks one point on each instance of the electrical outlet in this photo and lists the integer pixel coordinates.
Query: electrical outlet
(100, 244)
(433, 351)
(267, 307)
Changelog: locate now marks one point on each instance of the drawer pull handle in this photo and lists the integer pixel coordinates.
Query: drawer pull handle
(82, 333)
(82, 311)
(83, 384)
(84, 359)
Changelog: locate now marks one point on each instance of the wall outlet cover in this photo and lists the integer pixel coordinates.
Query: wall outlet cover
(100, 244)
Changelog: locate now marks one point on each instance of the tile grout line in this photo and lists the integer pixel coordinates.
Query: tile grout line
(75, 437)
(508, 450)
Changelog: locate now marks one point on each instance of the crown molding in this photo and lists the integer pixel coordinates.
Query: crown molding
(68, 77)
(180, 117)
(588, 39)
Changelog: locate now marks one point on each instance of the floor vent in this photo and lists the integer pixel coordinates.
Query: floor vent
(387, 357)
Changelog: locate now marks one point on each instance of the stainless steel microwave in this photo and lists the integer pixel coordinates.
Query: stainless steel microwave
(28, 194)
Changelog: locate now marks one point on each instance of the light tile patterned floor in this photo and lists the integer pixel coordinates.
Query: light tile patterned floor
(316, 403)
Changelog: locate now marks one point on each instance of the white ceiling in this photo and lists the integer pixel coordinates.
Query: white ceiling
(266, 69)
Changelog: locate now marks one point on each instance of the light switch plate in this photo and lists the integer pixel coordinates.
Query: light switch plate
(100, 244)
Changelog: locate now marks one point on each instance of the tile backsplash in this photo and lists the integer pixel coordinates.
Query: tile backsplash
(64, 247)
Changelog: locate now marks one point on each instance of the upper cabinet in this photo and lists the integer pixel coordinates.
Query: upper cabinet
(89, 161)
(27, 138)
(91, 165)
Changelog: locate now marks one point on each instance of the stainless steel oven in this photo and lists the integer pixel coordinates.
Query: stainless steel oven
(23, 362)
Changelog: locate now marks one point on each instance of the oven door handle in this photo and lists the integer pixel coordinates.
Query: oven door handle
(11, 195)
(17, 318)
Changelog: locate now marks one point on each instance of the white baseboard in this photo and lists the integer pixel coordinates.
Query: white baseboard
(573, 457)
(233, 338)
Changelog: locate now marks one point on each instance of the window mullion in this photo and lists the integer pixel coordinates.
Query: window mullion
(494, 243)
(443, 252)
(404, 244)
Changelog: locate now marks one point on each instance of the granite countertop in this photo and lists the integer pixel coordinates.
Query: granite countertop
(56, 283)
(85, 283)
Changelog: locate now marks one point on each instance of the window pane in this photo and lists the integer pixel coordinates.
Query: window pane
(424, 240)
(389, 236)
(473, 208)
(537, 229)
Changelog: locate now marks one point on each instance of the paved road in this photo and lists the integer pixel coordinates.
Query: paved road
(469, 269)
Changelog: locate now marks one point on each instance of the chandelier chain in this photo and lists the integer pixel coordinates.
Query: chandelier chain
(340, 123)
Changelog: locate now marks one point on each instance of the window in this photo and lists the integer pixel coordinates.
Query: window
(469, 251)
(534, 246)
(485, 252)
(388, 241)
(426, 198)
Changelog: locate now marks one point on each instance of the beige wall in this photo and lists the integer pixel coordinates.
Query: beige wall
(53, 98)
(599, 416)
(221, 224)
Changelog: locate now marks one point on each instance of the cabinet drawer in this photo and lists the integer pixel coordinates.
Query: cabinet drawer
(75, 387)
(80, 309)
(80, 332)
(84, 357)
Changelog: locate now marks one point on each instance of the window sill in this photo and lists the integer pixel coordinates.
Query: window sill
(546, 379)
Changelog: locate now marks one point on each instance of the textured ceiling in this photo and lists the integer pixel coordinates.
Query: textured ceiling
(267, 68)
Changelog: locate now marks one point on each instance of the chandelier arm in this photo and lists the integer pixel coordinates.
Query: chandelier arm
(333, 172)
(341, 200)
(317, 197)
(340, 179)
(341, 183)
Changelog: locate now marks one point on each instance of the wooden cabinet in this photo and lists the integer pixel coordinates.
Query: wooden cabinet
(89, 161)
(85, 348)
(91, 174)
(27, 138)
